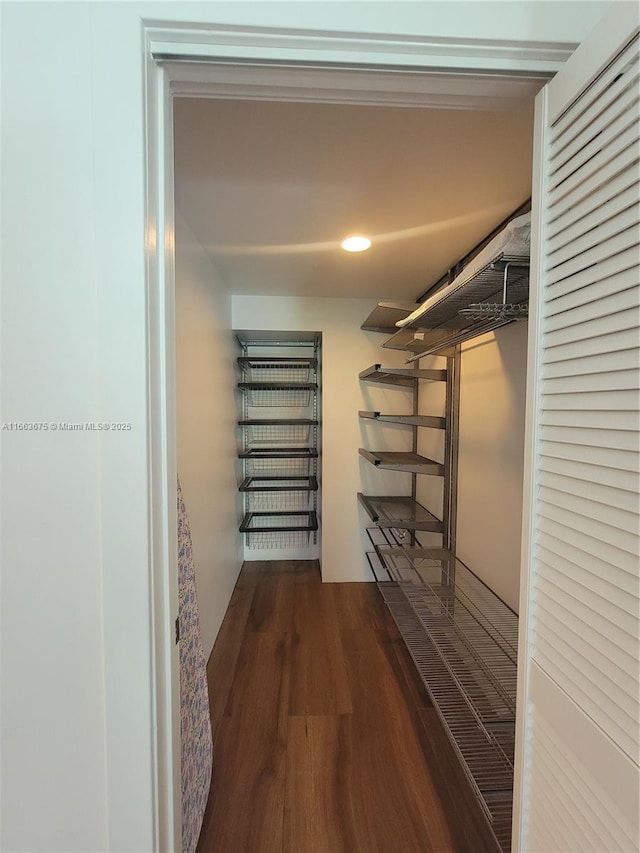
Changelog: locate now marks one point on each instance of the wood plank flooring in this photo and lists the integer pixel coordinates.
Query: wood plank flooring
(324, 738)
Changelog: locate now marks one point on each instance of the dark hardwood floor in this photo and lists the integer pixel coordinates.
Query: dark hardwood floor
(324, 738)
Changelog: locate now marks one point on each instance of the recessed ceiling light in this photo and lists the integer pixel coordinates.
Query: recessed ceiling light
(356, 243)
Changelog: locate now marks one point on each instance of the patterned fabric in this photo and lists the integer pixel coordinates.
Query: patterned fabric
(195, 722)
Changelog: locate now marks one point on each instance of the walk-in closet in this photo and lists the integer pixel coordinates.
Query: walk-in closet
(360, 419)
(354, 419)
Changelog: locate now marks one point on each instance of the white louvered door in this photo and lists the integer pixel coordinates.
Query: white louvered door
(578, 730)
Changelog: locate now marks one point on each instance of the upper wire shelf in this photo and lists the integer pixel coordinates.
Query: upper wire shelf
(503, 277)
(487, 289)
(496, 296)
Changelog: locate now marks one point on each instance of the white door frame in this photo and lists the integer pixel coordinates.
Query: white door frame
(227, 62)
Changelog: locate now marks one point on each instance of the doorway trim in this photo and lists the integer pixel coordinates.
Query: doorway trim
(232, 62)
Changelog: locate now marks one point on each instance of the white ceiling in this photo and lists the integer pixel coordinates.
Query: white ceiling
(271, 188)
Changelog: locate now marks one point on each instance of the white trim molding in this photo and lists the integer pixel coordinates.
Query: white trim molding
(356, 86)
(185, 43)
(339, 68)
(161, 405)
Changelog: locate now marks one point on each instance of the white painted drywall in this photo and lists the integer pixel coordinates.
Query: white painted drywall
(521, 20)
(77, 748)
(346, 350)
(491, 457)
(206, 420)
(53, 704)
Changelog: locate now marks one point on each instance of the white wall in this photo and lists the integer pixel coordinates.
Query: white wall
(491, 457)
(78, 725)
(521, 20)
(206, 419)
(346, 350)
(53, 704)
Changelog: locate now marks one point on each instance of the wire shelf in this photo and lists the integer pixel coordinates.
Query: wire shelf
(267, 529)
(279, 484)
(496, 310)
(506, 279)
(493, 297)
(274, 396)
(402, 461)
(284, 540)
(481, 753)
(483, 673)
(463, 640)
(498, 621)
(279, 500)
(401, 571)
(272, 434)
(279, 452)
(290, 467)
(398, 511)
(278, 372)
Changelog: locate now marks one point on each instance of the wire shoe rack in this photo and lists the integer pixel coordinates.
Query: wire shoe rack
(279, 438)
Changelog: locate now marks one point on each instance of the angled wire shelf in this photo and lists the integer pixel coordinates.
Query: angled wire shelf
(463, 640)
(481, 753)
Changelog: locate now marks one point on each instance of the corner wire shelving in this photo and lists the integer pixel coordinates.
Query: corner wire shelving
(279, 441)
(405, 511)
